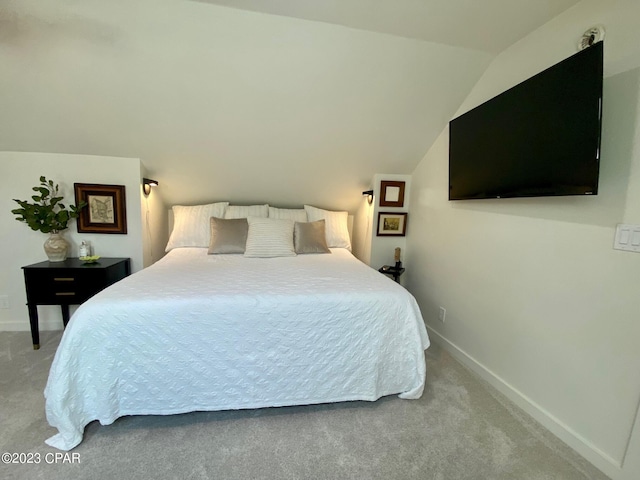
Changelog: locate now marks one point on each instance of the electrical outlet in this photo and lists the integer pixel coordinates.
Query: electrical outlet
(442, 313)
(4, 301)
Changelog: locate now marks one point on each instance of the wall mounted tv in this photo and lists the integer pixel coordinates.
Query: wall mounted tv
(539, 138)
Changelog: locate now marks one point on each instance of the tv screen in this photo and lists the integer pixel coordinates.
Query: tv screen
(539, 138)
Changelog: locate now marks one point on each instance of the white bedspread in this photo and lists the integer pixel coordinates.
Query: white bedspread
(217, 332)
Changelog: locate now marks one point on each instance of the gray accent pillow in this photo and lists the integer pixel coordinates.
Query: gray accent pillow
(310, 237)
(228, 235)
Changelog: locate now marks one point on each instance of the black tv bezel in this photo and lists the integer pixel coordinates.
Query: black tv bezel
(593, 189)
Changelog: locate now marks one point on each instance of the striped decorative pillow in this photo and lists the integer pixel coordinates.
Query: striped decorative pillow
(295, 214)
(244, 211)
(269, 237)
(336, 227)
(191, 227)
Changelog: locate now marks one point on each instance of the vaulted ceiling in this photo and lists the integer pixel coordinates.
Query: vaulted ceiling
(286, 101)
(487, 25)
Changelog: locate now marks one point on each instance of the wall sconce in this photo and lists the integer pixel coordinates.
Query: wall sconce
(147, 183)
(369, 194)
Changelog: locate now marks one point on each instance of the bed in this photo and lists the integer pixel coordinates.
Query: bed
(202, 332)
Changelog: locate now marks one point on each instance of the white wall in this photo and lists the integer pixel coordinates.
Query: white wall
(155, 228)
(537, 300)
(362, 227)
(383, 248)
(19, 245)
(367, 246)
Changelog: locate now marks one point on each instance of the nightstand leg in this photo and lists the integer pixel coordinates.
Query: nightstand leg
(33, 320)
(65, 314)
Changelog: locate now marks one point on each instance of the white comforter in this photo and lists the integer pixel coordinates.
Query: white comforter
(216, 332)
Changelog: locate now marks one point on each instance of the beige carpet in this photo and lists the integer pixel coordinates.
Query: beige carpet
(460, 429)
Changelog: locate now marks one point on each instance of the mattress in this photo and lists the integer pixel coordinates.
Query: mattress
(198, 332)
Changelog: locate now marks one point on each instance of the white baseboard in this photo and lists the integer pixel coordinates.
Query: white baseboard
(608, 465)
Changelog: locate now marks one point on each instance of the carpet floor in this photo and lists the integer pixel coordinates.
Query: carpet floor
(461, 428)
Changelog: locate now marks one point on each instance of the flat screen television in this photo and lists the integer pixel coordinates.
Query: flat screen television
(539, 138)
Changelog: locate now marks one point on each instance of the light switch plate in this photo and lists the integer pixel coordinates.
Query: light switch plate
(627, 238)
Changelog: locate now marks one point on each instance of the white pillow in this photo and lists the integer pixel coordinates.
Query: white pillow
(241, 211)
(295, 214)
(335, 224)
(269, 237)
(191, 227)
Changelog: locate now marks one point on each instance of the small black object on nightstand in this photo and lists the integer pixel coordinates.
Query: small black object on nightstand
(394, 271)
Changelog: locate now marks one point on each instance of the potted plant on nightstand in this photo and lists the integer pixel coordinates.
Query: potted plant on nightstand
(47, 215)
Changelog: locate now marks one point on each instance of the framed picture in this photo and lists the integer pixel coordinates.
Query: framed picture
(105, 211)
(391, 194)
(392, 224)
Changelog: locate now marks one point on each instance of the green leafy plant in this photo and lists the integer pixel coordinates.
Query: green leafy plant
(47, 214)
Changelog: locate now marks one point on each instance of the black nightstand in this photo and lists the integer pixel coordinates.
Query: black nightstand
(393, 271)
(68, 283)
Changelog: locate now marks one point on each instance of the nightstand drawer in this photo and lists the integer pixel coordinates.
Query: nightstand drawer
(54, 287)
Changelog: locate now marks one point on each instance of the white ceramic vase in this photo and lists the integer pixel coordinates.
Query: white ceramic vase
(56, 247)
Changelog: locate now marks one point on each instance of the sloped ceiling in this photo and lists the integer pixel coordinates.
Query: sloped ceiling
(488, 25)
(230, 104)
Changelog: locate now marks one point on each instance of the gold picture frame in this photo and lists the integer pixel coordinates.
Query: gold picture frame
(392, 224)
(105, 211)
